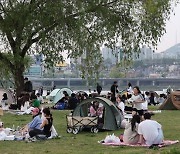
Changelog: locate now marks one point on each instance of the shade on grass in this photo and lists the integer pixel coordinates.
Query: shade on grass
(86, 142)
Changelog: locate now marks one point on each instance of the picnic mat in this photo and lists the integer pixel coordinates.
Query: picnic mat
(163, 144)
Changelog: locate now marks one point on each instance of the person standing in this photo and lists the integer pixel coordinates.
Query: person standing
(137, 99)
(114, 89)
(28, 86)
(99, 89)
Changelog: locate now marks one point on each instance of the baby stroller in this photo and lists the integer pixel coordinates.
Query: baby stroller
(77, 123)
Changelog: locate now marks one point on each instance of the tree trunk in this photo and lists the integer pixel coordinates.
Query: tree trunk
(19, 78)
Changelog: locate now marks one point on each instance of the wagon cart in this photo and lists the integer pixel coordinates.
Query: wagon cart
(77, 123)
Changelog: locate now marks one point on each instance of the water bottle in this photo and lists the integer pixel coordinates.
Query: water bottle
(13, 128)
(18, 128)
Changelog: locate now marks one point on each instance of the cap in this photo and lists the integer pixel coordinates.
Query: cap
(35, 110)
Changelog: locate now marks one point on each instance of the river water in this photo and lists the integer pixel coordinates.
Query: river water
(104, 92)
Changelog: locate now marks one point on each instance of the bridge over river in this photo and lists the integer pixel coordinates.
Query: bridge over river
(78, 83)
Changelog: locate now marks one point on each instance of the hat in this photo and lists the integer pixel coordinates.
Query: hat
(35, 110)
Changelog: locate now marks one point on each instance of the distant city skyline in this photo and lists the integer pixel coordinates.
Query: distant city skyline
(170, 38)
(172, 35)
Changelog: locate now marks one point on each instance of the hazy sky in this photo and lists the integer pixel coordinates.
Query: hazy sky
(172, 35)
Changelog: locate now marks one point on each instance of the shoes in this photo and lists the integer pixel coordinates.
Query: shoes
(154, 146)
(31, 139)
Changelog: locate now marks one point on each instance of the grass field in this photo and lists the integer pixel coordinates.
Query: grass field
(86, 142)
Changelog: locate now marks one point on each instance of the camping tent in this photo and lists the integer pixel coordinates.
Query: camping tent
(57, 94)
(112, 116)
(172, 102)
(11, 99)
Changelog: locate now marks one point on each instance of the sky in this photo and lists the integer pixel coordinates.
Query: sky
(170, 38)
(172, 35)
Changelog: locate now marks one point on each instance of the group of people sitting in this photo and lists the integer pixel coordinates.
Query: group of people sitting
(41, 127)
(70, 102)
(143, 131)
(29, 102)
(25, 100)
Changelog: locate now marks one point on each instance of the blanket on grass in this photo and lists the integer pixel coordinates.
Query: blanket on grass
(163, 144)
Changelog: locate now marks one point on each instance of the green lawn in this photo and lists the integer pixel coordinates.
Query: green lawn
(86, 142)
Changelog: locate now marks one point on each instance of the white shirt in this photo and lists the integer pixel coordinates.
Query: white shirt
(120, 105)
(138, 106)
(40, 98)
(145, 104)
(149, 130)
(130, 90)
(160, 100)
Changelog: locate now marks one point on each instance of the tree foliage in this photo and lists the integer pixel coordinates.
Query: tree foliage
(52, 26)
(6, 72)
(116, 72)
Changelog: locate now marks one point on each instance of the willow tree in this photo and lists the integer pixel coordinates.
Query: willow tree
(78, 26)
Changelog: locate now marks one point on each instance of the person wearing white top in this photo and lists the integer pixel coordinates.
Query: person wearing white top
(137, 100)
(40, 98)
(130, 89)
(150, 131)
(120, 104)
(145, 104)
(161, 99)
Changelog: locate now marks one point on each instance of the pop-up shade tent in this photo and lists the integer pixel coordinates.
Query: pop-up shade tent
(57, 94)
(172, 102)
(11, 99)
(112, 117)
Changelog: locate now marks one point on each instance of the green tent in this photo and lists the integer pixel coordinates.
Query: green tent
(112, 116)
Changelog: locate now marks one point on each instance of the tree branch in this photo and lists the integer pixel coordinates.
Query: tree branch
(8, 34)
(43, 31)
(93, 8)
(30, 41)
(20, 29)
(6, 60)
